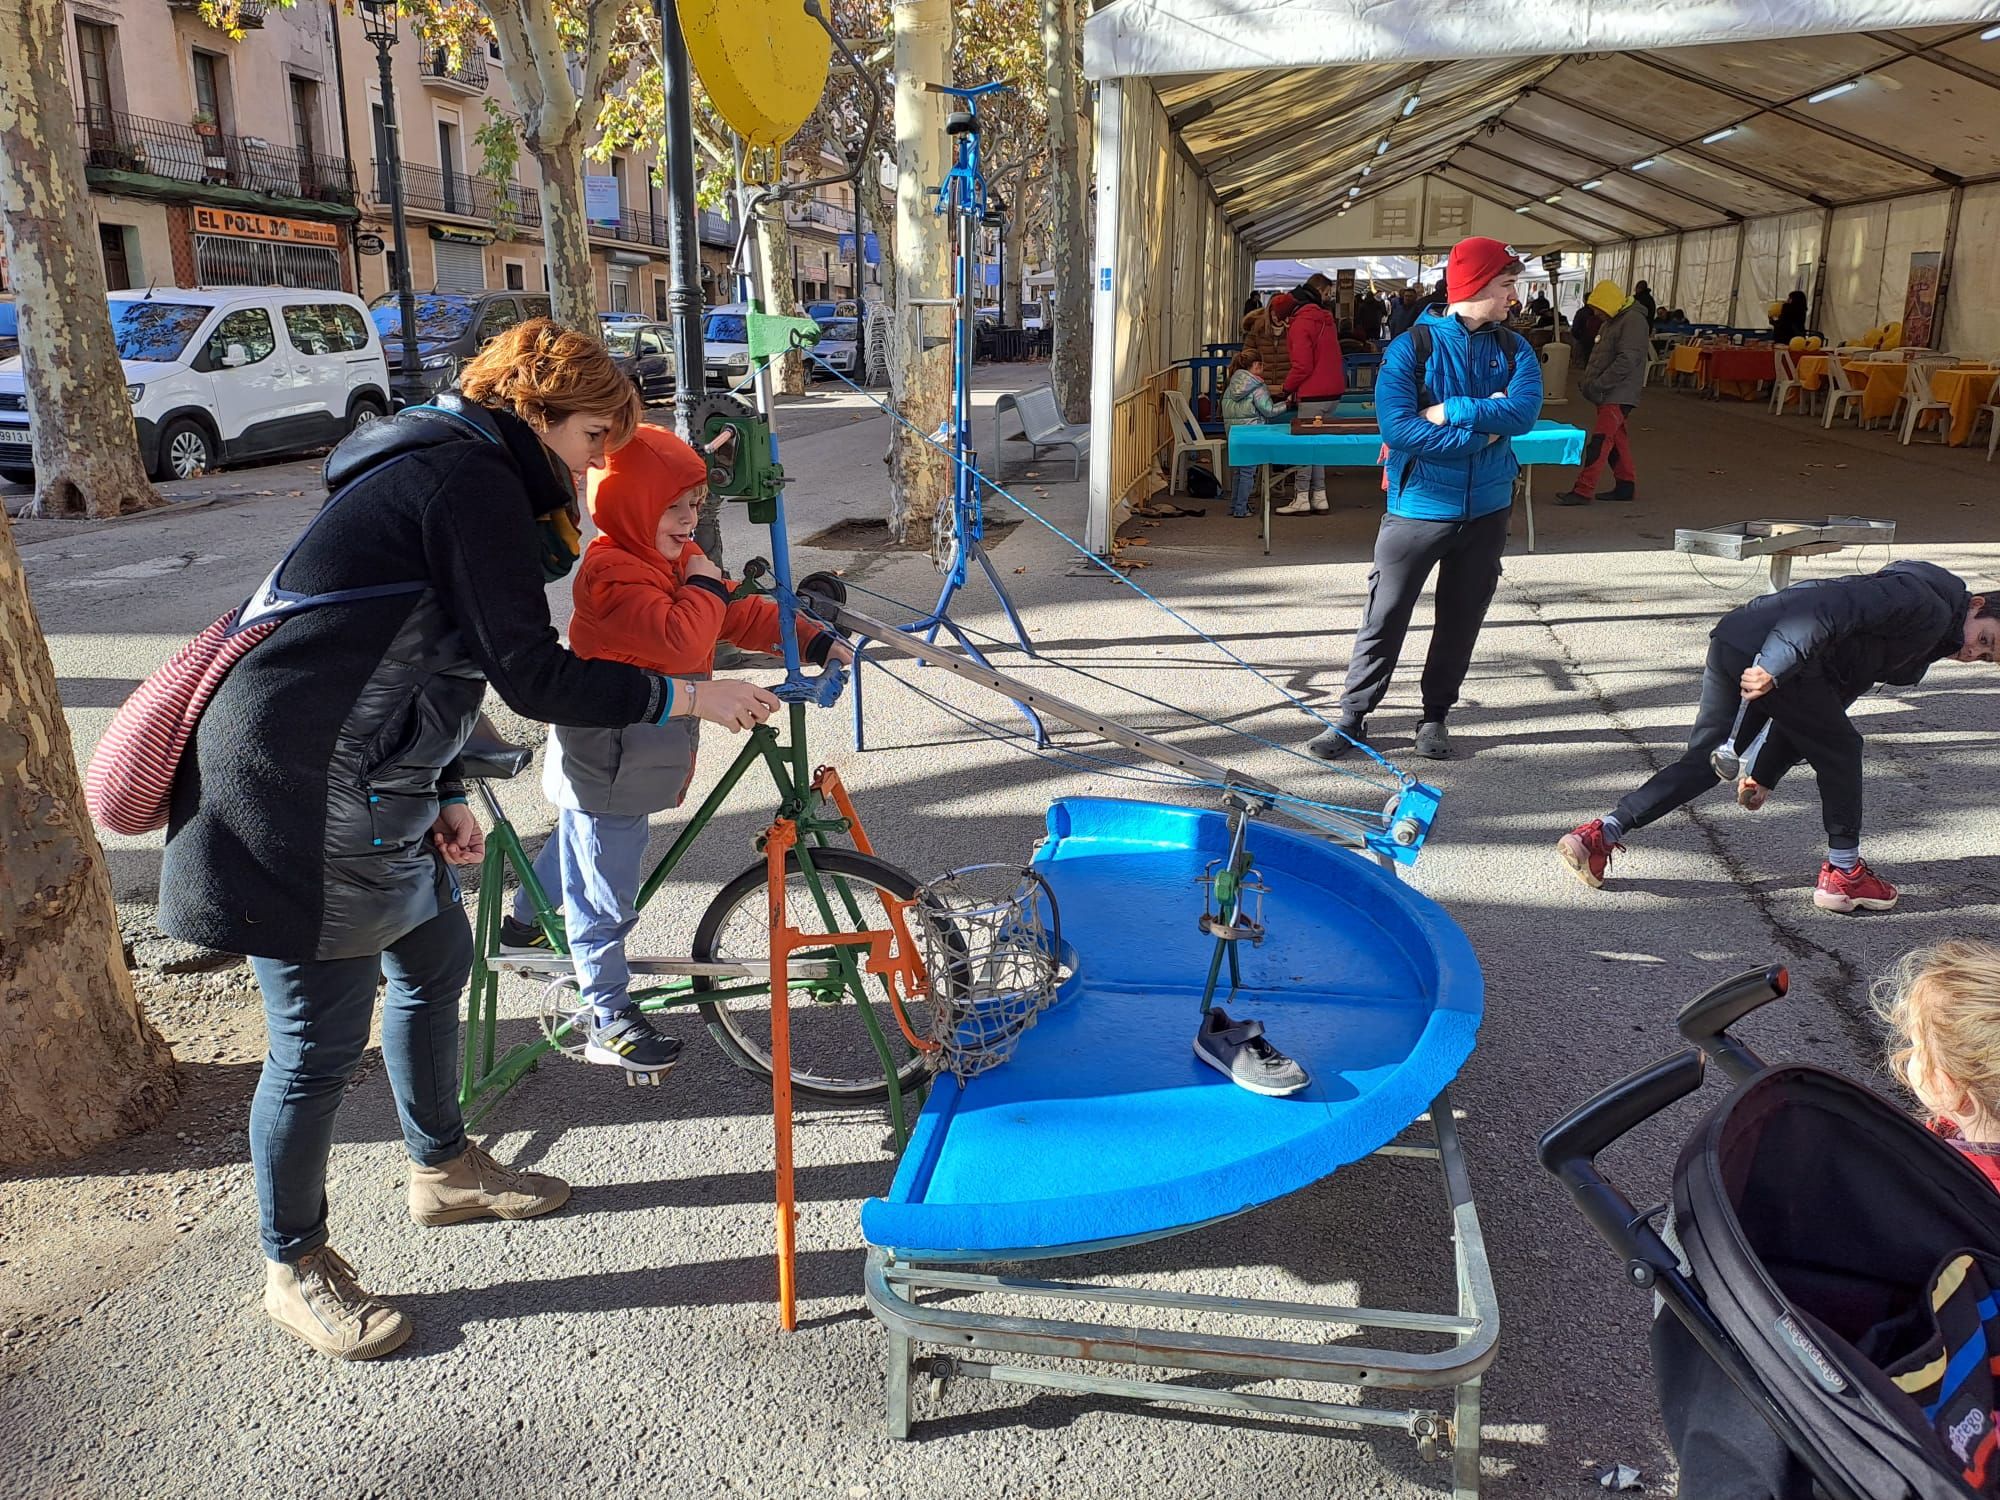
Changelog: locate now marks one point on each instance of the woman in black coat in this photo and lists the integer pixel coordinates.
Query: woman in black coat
(1791, 320)
(320, 799)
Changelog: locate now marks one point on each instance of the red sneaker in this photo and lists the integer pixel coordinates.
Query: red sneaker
(1859, 889)
(1587, 852)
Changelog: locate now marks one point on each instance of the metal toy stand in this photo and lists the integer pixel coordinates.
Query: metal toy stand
(1783, 541)
(963, 196)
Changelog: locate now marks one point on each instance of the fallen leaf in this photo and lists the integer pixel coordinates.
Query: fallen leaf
(1020, 570)
(1138, 541)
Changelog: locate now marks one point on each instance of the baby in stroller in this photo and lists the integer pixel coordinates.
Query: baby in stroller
(1942, 1004)
(1827, 1277)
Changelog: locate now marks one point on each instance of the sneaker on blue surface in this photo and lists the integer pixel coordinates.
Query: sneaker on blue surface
(629, 1041)
(1238, 1051)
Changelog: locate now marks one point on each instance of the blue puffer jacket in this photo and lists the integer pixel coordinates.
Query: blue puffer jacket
(1457, 471)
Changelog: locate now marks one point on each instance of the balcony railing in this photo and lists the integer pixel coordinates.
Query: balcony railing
(427, 189)
(249, 13)
(469, 75)
(815, 211)
(635, 227)
(116, 142)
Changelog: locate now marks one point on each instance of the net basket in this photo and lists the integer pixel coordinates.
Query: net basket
(991, 944)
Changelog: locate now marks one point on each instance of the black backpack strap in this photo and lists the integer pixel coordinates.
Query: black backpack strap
(1420, 340)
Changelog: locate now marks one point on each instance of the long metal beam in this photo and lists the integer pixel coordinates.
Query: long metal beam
(1485, 148)
(1930, 52)
(1275, 143)
(1721, 163)
(1784, 112)
(1278, 223)
(1534, 213)
(1616, 169)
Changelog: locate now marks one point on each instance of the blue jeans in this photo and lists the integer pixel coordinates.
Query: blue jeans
(594, 860)
(1245, 485)
(316, 1015)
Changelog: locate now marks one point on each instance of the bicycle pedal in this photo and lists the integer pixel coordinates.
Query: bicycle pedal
(634, 1080)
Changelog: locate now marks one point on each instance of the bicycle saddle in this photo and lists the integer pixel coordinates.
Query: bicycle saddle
(487, 757)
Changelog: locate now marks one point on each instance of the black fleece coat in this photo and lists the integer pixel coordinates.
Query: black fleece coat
(1857, 632)
(302, 810)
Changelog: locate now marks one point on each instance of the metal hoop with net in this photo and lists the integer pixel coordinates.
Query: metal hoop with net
(992, 945)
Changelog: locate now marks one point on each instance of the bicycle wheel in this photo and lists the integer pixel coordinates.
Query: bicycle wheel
(833, 1055)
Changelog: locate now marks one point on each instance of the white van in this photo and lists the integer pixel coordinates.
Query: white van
(227, 374)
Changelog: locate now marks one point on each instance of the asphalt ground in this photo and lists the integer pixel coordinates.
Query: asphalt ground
(628, 1345)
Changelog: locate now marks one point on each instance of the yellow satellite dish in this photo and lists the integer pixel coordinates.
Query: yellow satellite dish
(763, 63)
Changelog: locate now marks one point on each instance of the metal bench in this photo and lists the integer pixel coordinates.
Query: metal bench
(1042, 426)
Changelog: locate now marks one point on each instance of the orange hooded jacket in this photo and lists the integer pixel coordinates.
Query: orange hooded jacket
(632, 603)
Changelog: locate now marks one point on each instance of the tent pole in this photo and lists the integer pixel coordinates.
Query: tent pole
(1944, 267)
(1816, 317)
(1674, 276)
(1104, 311)
(1735, 286)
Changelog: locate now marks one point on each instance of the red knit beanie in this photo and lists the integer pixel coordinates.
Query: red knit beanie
(1473, 263)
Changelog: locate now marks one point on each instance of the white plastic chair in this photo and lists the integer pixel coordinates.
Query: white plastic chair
(1787, 382)
(1656, 361)
(1989, 414)
(1190, 441)
(1839, 390)
(1918, 398)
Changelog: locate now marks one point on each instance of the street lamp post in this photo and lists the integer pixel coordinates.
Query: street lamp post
(378, 24)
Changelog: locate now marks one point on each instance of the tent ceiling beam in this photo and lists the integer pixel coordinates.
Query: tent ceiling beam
(1666, 226)
(1283, 220)
(1538, 214)
(1284, 139)
(1201, 109)
(1934, 53)
(1797, 117)
(1337, 174)
(1720, 163)
(1616, 169)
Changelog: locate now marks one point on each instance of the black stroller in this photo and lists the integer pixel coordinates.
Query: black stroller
(1837, 1279)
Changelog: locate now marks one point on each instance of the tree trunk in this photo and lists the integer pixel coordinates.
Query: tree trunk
(85, 452)
(79, 1064)
(566, 232)
(1069, 299)
(1011, 268)
(780, 294)
(920, 378)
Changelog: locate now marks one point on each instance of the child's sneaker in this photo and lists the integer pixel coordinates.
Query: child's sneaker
(628, 1041)
(1238, 1051)
(1587, 852)
(1858, 889)
(524, 939)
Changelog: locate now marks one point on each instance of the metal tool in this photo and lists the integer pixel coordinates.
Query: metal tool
(1726, 760)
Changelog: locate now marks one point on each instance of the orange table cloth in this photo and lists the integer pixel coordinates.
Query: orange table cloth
(1967, 388)
(1880, 381)
(1685, 359)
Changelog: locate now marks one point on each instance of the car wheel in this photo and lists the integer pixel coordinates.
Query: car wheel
(18, 476)
(364, 411)
(185, 450)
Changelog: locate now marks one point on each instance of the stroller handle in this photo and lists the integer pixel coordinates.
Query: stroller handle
(1704, 1021)
(1568, 1152)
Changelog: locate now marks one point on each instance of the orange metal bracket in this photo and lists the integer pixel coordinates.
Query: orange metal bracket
(826, 781)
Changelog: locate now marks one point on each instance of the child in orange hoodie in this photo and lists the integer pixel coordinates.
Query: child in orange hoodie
(645, 595)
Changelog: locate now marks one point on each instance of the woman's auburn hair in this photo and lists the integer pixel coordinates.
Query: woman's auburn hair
(544, 373)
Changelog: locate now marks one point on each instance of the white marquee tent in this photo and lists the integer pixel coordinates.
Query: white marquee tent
(1725, 151)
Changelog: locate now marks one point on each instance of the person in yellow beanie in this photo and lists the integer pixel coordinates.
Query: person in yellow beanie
(1612, 382)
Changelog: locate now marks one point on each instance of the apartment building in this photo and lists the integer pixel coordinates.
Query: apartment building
(211, 161)
(263, 160)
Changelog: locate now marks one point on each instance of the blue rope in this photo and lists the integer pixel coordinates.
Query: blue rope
(1059, 754)
(1084, 552)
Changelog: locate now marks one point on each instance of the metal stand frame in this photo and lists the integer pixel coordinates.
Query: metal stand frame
(895, 1288)
(962, 195)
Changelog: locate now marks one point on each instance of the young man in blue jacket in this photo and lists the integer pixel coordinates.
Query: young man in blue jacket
(1449, 395)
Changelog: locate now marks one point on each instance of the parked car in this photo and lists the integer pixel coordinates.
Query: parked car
(1032, 316)
(622, 317)
(726, 345)
(228, 374)
(451, 328)
(645, 352)
(837, 347)
(10, 330)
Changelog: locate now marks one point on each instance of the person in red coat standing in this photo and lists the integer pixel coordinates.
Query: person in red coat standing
(1316, 380)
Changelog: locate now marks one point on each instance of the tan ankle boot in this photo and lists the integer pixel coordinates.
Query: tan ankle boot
(475, 1186)
(317, 1298)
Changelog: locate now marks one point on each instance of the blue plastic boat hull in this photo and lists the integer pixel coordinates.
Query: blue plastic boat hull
(1105, 1129)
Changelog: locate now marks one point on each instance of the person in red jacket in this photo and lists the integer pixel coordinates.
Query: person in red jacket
(1316, 380)
(644, 594)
